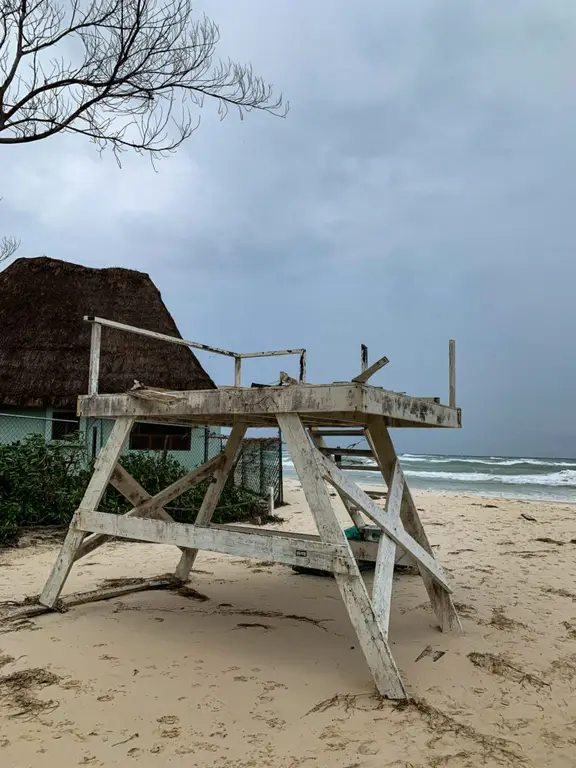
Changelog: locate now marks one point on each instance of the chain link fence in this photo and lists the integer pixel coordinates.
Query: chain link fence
(258, 469)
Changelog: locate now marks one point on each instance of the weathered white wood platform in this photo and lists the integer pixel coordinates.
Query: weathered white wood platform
(346, 404)
(305, 413)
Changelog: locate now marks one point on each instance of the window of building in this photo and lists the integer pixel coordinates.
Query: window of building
(160, 437)
(65, 424)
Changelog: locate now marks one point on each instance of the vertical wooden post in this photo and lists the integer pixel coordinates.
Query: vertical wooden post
(384, 571)
(94, 370)
(103, 469)
(363, 357)
(452, 372)
(237, 371)
(212, 497)
(303, 367)
(352, 588)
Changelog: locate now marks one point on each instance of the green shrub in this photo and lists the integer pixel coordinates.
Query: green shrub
(43, 484)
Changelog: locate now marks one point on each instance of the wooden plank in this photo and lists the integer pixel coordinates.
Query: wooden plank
(343, 432)
(383, 579)
(330, 450)
(344, 403)
(94, 369)
(363, 357)
(103, 468)
(159, 336)
(393, 528)
(95, 595)
(271, 353)
(395, 492)
(237, 371)
(137, 495)
(384, 573)
(352, 588)
(302, 375)
(362, 550)
(405, 409)
(176, 489)
(452, 372)
(358, 467)
(212, 496)
(379, 438)
(363, 377)
(280, 549)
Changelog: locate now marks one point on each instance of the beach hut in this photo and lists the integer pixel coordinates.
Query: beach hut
(45, 352)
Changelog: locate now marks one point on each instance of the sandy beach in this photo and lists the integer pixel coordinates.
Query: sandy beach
(266, 670)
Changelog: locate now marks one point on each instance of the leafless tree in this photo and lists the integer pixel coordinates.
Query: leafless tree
(8, 247)
(128, 74)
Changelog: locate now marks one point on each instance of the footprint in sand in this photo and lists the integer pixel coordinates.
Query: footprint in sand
(368, 748)
(220, 733)
(168, 720)
(170, 733)
(106, 697)
(271, 685)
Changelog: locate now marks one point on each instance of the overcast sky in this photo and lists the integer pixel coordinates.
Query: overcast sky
(422, 187)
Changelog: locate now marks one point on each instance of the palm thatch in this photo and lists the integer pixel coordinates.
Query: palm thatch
(45, 343)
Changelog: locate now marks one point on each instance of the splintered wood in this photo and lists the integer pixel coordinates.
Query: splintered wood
(306, 414)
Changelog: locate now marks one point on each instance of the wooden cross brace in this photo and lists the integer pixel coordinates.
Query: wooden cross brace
(107, 470)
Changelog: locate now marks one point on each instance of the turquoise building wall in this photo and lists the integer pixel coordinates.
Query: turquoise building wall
(18, 423)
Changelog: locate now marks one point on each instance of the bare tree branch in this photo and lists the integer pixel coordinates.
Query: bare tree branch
(128, 74)
(8, 247)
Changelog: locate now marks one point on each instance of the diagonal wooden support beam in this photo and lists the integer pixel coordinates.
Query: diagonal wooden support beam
(353, 511)
(391, 527)
(363, 377)
(177, 488)
(384, 571)
(379, 440)
(103, 468)
(137, 495)
(352, 588)
(227, 460)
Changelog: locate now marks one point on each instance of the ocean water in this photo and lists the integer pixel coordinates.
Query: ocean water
(499, 476)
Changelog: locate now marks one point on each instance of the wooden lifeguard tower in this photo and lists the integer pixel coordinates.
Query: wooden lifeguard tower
(305, 413)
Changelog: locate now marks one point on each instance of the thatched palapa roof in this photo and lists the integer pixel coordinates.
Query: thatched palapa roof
(45, 343)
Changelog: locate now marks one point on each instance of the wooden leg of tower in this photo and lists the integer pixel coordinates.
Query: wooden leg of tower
(351, 585)
(385, 453)
(103, 468)
(212, 497)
